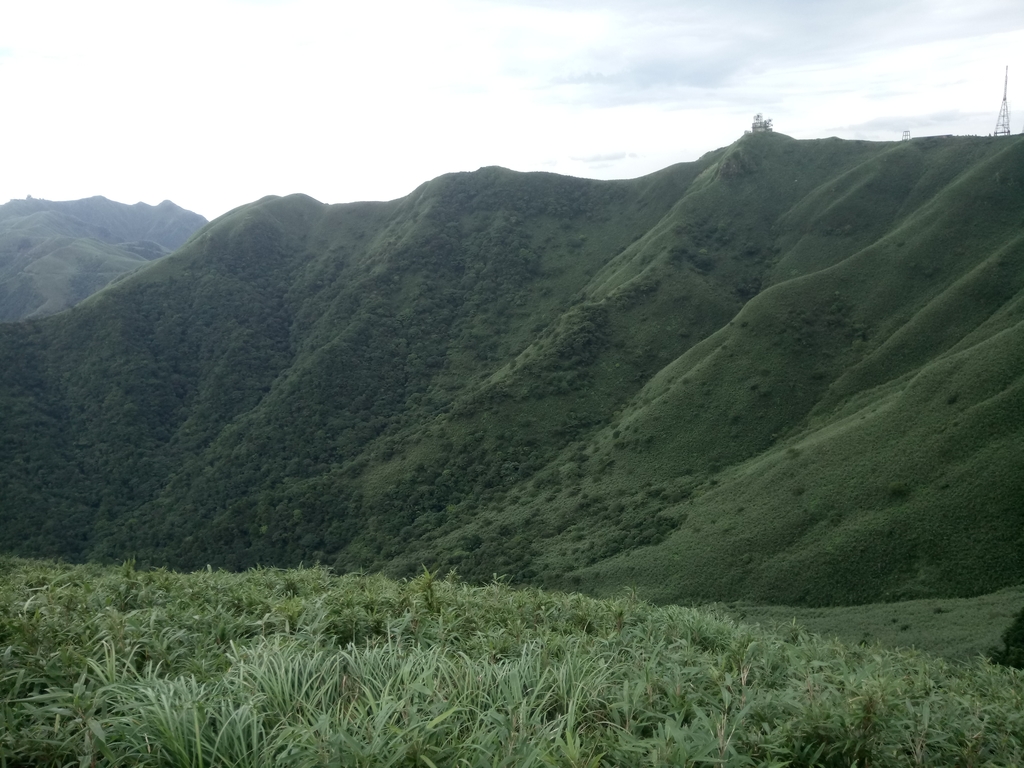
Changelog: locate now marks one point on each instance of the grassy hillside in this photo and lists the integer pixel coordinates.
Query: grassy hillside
(54, 254)
(955, 628)
(788, 372)
(120, 667)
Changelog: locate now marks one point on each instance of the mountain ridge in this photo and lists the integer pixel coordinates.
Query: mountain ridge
(677, 381)
(54, 254)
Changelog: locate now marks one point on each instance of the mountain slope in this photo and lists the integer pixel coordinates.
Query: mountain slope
(899, 477)
(54, 254)
(786, 372)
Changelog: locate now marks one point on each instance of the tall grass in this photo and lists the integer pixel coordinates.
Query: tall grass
(302, 668)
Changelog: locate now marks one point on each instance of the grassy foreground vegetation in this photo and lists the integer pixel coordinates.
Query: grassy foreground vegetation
(113, 666)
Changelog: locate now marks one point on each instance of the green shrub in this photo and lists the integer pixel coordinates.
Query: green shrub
(1012, 652)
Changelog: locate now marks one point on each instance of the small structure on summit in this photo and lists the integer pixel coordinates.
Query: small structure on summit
(761, 125)
(1003, 121)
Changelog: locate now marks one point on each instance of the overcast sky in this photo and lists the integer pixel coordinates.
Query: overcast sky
(215, 103)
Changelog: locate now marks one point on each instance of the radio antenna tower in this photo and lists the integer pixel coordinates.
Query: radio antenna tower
(1003, 121)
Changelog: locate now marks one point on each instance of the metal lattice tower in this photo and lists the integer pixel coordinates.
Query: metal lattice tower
(1003, 121)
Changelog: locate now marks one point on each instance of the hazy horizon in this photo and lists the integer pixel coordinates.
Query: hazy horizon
(215, 104)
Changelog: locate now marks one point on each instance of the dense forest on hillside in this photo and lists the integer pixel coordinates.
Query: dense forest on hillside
(53, 254)
(113, 666)
(788, 372)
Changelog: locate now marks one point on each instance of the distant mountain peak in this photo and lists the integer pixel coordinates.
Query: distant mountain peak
(53, 254)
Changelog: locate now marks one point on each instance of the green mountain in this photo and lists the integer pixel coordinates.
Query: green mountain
(54, 254)
(788, 372)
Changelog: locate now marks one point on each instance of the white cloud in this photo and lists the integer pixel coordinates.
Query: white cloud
(216, 103)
